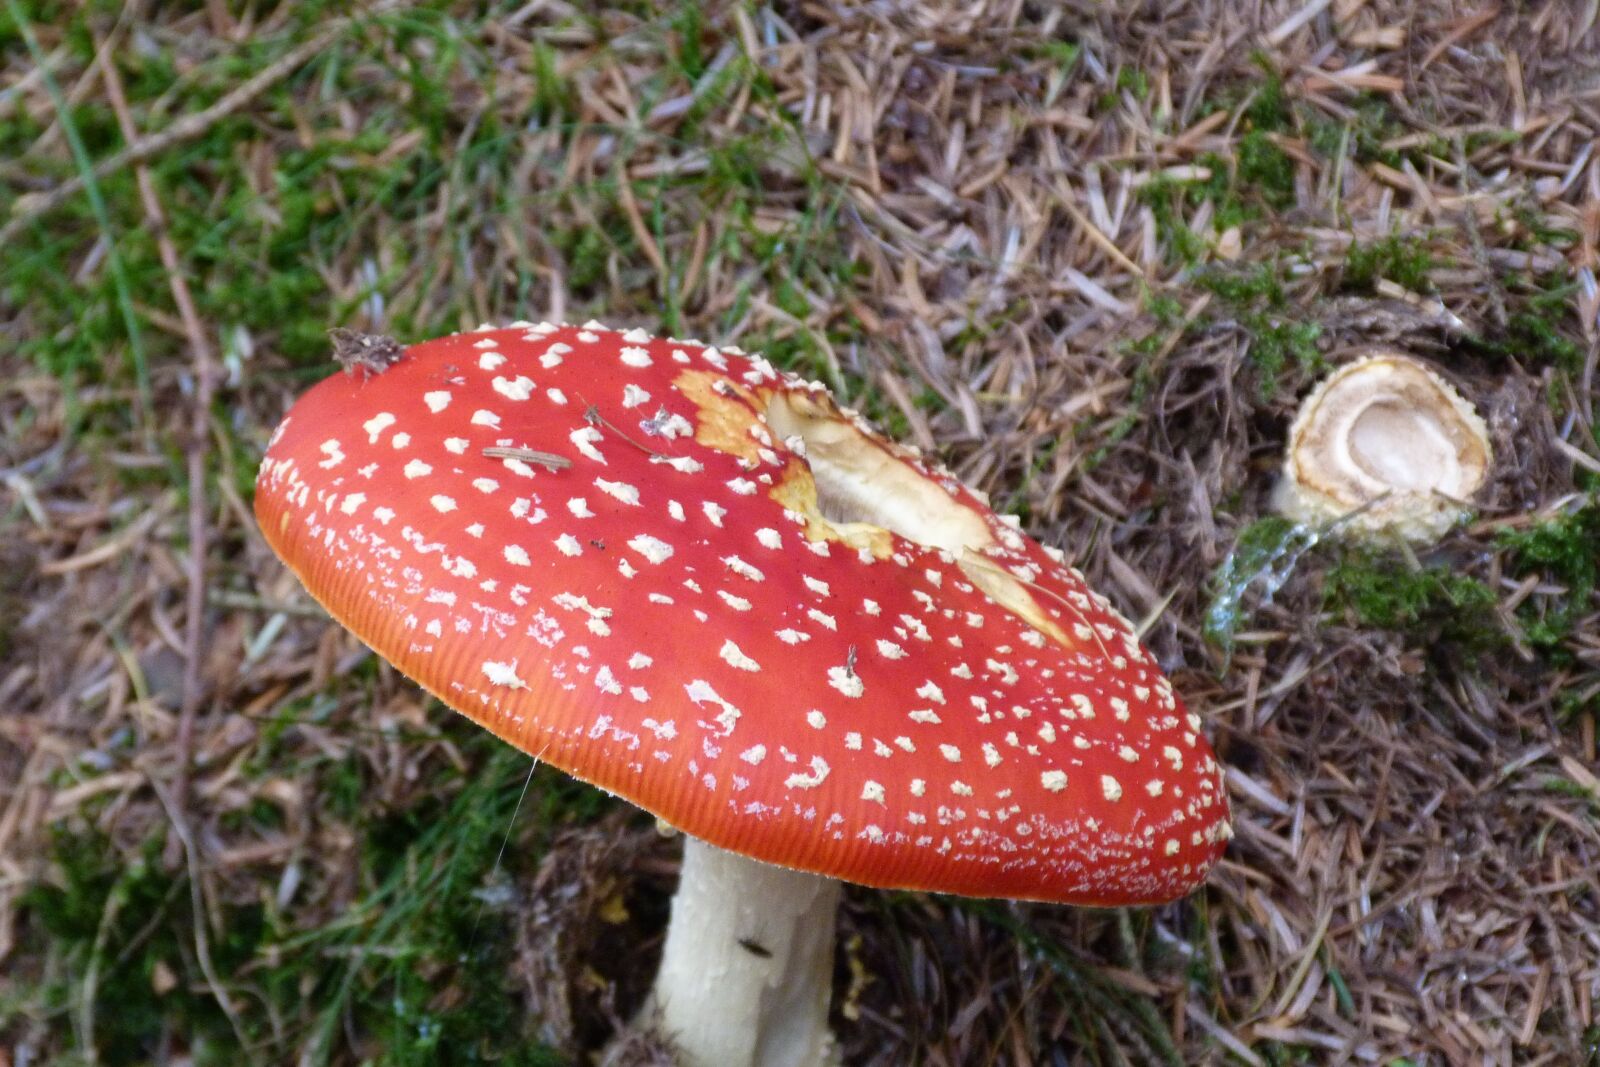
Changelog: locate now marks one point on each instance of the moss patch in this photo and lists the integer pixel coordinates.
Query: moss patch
(1278, 340)
(1565, 551)
(1402, 260)
(1377, 589)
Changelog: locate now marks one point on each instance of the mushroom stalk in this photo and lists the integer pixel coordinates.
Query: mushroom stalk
(748, 966)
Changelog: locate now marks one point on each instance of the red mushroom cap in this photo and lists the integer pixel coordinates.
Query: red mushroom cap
(608, 549)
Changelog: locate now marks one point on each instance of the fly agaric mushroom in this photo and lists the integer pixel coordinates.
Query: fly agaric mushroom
(696, 583)
(1384, 444)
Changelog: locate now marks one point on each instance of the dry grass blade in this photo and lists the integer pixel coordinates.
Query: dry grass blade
(195, 449)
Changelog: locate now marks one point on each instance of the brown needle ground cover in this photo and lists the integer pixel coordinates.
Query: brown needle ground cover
(1089, 253)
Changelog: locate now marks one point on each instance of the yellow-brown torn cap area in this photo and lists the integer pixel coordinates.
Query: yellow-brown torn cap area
(739, 608)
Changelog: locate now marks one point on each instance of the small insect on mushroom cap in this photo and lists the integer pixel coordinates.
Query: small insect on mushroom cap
(694, 581)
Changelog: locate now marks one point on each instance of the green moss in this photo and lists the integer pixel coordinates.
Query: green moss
(1402, 260)
(1063, 54)
(1279, 1054)
(1259, 175)
(1166, 310)
(1278, 344)
(1590, 1046)
(1431, 604)
(1362, 137)
(1535, 331)
(1246, 288)
(1565, 551)
(1266, 169)
(1535, 336)
(588, 250)
(1170, 203)
(1537, 226)
(1269, 107)
(1257, 179)
(120, 921)
(1256, 298)
(1128, 80)
(1134, 81)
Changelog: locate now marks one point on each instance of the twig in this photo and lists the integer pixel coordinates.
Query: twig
(84, 1017)
(592, 416)
(28, 208)
(641, 232)
(1094, 233)
(194, 637)
(1288, 26)
(202, 941)
(548, 460)
(1576, 455)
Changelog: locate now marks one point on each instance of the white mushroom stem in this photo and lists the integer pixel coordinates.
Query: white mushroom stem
(748, 967)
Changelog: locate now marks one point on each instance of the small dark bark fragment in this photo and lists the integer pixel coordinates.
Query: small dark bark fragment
(371, 353)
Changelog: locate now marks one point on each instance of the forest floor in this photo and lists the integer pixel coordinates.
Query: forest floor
(1089, 254)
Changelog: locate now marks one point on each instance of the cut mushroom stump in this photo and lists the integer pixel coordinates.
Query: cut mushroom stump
(691, 580)
(1384, 445)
